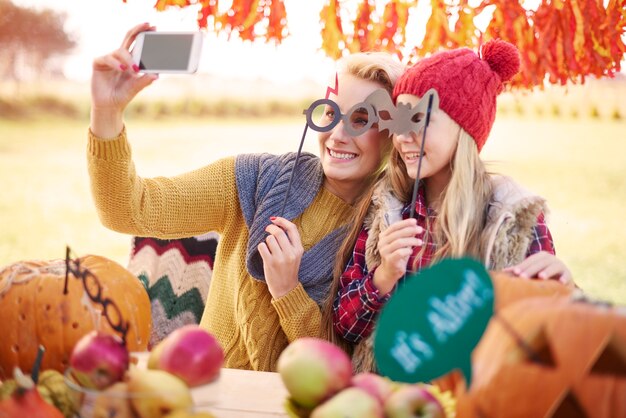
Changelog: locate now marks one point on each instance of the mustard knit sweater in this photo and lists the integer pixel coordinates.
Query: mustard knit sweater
(252, 327)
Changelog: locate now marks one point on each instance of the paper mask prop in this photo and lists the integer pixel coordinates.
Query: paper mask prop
(377, 108)
(431, 96)
(406, 118)
(433, 321)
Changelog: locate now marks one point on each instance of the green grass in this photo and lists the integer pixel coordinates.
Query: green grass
(578, 165)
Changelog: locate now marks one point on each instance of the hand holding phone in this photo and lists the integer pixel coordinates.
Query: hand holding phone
(167, 52)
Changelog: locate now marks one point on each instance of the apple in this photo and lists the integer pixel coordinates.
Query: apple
(313, 370)
(99, 359)
(378, 386)
(350, 403)
(413, 401)
(191, 353)
(157, 393)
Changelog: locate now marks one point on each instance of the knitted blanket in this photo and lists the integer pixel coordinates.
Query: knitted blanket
(176, 274)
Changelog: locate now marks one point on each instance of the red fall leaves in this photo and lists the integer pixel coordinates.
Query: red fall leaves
(559, 40)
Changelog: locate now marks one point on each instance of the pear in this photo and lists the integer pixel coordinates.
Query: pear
(185, 414)
(113, 402)
(157, 393)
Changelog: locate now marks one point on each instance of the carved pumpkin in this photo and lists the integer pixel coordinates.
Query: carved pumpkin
(563, 357)
(34, 310)
(508, 289)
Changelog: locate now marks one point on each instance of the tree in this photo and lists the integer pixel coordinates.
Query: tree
(559, 41)
(30, 40)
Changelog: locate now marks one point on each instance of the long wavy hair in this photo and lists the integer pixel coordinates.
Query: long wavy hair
(384, 69)
(460, 220)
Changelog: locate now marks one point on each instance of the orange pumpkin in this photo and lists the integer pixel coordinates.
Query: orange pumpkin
(35, 310)
(508, 289)
(563, 357)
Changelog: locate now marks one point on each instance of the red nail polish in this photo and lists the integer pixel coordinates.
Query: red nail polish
(136, 68)
(123, 67)
(272, 218)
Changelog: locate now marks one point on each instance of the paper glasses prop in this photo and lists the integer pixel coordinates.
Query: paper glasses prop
(378, 108)
(93, 289)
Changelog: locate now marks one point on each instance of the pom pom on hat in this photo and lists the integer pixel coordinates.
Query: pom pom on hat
(502, 57)
(466, 83)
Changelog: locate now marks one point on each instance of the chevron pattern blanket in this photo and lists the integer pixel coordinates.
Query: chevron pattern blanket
(177, 274)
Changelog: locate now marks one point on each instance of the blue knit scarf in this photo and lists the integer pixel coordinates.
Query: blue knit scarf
(262, 181)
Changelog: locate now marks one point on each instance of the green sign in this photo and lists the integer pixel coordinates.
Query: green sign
(433, 321)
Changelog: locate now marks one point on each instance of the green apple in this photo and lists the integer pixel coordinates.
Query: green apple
(313, 370)
(189, 352)
(378, 386)
(412, 401)
(350, 403)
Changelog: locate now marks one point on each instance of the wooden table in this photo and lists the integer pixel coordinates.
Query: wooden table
(243, 394)
(238, 393)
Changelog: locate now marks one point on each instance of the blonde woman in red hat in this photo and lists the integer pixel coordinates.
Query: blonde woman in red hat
(460, 209)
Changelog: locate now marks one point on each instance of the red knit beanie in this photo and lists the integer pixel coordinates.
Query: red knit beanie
(467, 84)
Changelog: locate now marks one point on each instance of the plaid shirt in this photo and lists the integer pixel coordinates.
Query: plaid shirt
(358, 301)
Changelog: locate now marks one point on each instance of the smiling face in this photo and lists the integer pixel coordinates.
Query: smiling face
(349, 161)
(442, 136)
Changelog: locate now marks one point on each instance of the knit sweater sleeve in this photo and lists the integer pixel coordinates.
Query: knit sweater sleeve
(299, 315)
(189, 204)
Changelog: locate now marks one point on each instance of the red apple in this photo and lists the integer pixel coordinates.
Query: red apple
(191, 353)
(378, 386)
(413, 401)
(313, 370)
(98, 360)
(350, 403)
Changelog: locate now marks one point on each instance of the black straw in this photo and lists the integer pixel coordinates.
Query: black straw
(419, 163)
(293, 170)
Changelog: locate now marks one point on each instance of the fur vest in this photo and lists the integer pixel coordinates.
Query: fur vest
(511, 216)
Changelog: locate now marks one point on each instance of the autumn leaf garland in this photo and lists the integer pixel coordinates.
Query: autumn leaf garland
(561, 41)
(248, 19)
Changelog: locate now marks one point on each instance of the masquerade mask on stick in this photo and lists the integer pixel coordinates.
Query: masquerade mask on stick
(429, 102)
(377, 108)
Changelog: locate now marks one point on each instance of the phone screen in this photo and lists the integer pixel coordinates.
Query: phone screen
(166, 52)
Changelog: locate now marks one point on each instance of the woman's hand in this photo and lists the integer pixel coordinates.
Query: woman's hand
(115, 82)
(281, 253)
(395, 246)
(542, 265)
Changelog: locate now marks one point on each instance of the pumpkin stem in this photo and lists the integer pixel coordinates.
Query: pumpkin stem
(532, 354)
(34, 374)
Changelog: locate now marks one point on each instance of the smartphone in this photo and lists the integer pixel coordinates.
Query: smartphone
(167, 52)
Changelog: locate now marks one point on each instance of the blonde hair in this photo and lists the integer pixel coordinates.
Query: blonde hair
(380, 67)
(460, 220)
(384, 69)
(462, 215)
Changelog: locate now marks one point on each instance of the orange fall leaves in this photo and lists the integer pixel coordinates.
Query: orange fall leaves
(559, 41)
